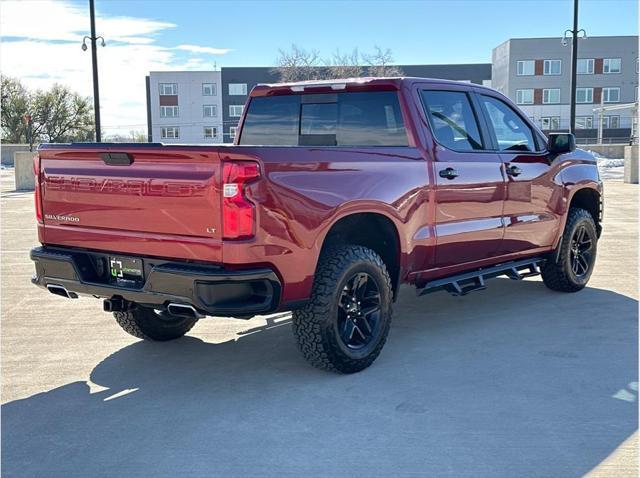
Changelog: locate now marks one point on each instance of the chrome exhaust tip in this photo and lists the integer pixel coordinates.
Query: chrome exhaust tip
(61, 291)
(184, 310)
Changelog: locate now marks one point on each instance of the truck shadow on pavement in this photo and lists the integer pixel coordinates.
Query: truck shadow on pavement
(514, 381)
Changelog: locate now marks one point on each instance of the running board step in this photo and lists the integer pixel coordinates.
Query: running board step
(462, 284)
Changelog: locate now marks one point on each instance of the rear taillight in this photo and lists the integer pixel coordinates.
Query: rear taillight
(37, 195)
(238, 213)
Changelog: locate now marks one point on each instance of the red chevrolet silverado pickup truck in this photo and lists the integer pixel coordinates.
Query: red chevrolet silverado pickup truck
(334, 194)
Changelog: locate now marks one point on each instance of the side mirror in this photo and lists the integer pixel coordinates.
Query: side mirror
(561, 143)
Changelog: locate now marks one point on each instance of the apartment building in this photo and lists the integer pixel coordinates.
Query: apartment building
(536, 74)
(237, 82)
(184, 106)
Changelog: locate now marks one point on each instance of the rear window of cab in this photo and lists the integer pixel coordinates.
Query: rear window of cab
(332, 119)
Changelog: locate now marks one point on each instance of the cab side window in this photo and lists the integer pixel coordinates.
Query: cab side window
(452, 120)
(511, 132)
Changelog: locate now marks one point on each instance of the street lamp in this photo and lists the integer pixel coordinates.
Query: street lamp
(84, 42)
(575, 33)
(565, 37)
(94, 63)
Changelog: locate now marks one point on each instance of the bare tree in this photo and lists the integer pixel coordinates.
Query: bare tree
(298, 64)
(62, 115)
(58, 114)
(132, 137)
(16, 101)
(345, 65)
(379, 63)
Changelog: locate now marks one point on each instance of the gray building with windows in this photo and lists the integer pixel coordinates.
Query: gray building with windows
(536, 73)
(184, 107)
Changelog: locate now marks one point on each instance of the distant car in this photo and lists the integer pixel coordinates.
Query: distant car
(334, 194)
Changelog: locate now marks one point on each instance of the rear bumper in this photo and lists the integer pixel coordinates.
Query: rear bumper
(211, 290)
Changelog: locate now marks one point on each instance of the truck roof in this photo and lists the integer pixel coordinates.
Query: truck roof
(347, 84)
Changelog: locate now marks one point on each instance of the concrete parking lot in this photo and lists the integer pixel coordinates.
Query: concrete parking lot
(513, 381)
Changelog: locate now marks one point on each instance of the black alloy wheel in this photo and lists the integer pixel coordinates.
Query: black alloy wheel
(346, 322)
(569, 267)
(581, 252)
(359, 311)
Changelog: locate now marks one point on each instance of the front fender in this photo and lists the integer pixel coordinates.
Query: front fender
(576, 177)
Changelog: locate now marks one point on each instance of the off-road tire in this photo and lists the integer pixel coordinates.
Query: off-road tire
(315, 325)
(557, 274)
(146, 323)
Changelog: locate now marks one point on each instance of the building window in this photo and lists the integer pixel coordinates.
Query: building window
(637, 65)
(167, 89)
(237, 88)
(235, 111)
(610, 95)
(552, 67)
(584, 95)
(611, 121)
(170, 132)
(551, 96)
(168, 112)
(585, 66)
(526, 67)
(208, 89)
(209, 111)
(524, 97)
(612, 65)
(550, 122)
(232, 132)
(210, 132)
(584, 122)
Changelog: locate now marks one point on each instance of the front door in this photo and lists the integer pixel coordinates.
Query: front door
(470, 184)
(531, 193)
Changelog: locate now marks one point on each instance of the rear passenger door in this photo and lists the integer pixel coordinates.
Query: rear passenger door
(469, 189)
(530, 220)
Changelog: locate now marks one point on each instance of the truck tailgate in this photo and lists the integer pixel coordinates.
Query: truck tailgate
(166, 201)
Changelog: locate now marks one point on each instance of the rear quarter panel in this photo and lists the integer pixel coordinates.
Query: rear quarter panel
(305, 191)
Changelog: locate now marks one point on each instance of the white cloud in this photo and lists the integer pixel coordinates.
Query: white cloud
(203, 49)
(58, 20)
(44, 48)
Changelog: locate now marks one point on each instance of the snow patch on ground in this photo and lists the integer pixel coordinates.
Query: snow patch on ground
(610, 168)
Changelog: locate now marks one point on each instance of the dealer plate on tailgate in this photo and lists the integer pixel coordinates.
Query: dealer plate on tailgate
(126, 270)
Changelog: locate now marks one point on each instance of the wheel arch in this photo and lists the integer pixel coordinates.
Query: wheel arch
(587, 196)
(374, 230)
(589, 199)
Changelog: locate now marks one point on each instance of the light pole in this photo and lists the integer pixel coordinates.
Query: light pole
(574, 63)
(28, 121)
(94, 63)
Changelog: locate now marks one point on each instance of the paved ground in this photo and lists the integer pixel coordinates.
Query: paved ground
(514, 381)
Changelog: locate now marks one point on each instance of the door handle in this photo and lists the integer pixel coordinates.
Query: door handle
(514, 171)
(448, 173)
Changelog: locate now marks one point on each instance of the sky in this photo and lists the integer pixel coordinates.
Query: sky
(41, 39)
